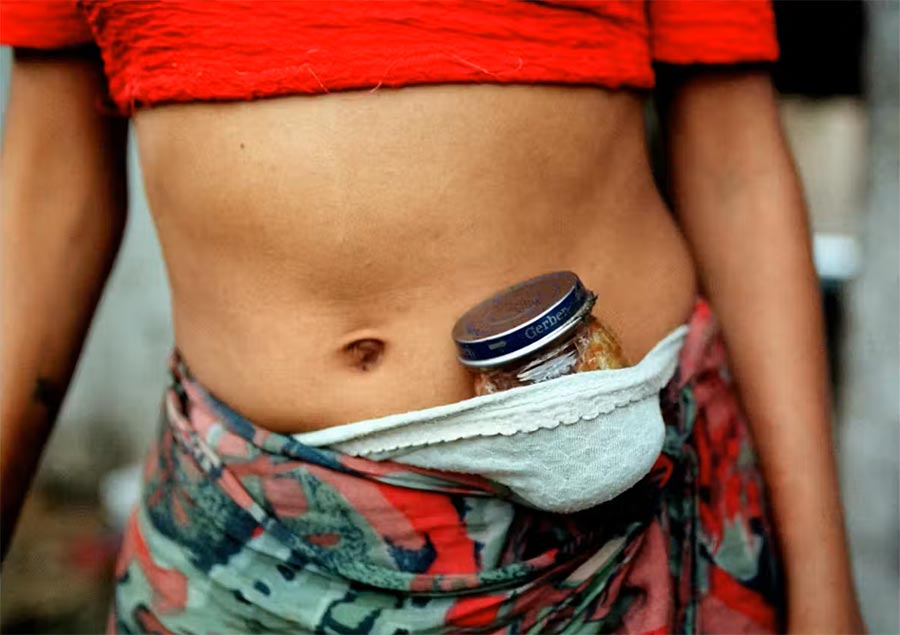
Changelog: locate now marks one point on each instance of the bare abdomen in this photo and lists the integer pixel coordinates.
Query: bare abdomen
(321, 248)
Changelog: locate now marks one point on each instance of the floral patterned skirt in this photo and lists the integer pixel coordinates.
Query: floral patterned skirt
(243, 530)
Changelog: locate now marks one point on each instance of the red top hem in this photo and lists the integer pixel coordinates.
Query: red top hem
(158, 52)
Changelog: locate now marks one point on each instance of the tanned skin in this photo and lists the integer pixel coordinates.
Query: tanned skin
(63, 212)
(738, 199)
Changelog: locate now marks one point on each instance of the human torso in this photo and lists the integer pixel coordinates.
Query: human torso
(320, 248)
(329, 173)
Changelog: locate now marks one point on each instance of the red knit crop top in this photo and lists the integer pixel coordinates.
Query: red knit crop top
(161, 51)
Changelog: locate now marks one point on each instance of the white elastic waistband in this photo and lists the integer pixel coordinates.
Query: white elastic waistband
(546, 405)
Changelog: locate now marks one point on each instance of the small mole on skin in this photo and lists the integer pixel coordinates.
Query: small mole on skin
(366, 353)
(242, 146)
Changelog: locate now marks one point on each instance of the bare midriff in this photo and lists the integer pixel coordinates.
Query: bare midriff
(320, 249)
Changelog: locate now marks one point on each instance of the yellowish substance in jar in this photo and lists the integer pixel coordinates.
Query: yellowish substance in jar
(592, 346)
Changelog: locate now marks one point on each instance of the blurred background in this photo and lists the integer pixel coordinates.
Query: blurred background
(838, 79)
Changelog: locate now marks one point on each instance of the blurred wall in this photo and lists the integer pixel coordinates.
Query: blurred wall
(869, 420)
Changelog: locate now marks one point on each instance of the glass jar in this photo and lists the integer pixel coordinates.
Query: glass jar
(534, 331)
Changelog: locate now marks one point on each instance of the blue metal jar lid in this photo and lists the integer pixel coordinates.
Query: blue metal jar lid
(521, 319)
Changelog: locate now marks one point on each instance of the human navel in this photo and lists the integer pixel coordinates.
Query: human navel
(364, 354)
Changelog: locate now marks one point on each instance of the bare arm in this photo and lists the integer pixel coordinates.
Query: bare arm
(63, 212)
(738, 199)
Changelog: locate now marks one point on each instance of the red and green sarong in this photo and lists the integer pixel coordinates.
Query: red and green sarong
(243, 530)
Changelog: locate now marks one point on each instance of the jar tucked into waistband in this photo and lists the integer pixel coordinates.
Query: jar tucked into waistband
(534, 331)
